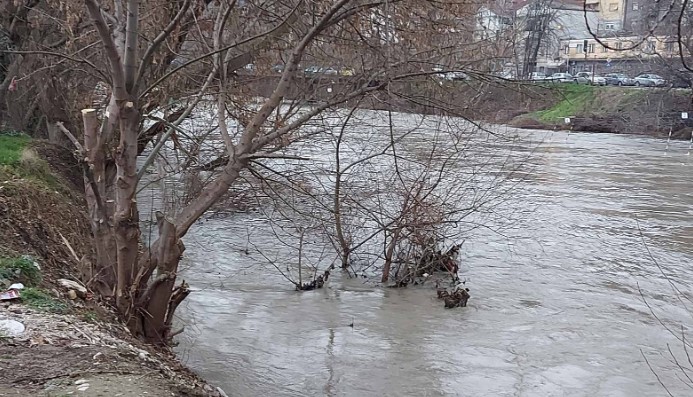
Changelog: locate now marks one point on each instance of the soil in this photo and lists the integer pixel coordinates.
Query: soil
(59, 355)
(35, 215)
(86, 351)
(618, 110)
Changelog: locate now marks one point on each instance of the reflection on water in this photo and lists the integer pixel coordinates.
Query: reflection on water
(555, 309)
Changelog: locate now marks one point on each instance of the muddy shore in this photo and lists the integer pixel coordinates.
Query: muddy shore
(53, 343)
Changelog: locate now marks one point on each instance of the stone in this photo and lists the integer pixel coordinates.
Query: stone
(11, 328)
(72, 294)
(79, 289)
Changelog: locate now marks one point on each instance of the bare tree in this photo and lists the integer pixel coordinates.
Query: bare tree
(191, 87)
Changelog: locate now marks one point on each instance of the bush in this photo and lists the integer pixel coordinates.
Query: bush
(19, 270)
(40, 300)
(11, 148)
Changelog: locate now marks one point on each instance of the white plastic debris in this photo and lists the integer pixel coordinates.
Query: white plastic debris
(9, 295)
(80, 381)
(11, 328)
(17, 286)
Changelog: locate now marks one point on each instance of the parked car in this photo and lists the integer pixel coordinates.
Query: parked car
(561, 78)
(329, 71)
(589, 78)
(455, 76)
(537, 76)
(506, 75)
(312, 70)
(650, 80)
(618, 79)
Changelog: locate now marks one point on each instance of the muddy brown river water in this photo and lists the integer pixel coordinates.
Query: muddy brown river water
(555, 309)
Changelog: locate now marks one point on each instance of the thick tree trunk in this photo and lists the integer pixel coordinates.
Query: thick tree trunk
(103, 273)
(158, 295)
(126, 217)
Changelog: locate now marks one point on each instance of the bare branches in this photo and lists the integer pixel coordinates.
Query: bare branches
(59, 55)
(131, 35)
(117, 72)
(655, 373)
(246, 41)
(158, 40)
(679, 28)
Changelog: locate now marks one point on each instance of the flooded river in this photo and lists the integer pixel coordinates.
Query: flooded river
(555, 309)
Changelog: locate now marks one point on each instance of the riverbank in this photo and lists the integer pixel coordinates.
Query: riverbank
(620, 110)
(57, 340)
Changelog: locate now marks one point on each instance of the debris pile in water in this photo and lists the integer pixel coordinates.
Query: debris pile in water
(317, 283)
(457, 298)
(429, 262)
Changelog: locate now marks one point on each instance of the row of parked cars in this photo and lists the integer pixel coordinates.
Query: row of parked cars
(619, 79)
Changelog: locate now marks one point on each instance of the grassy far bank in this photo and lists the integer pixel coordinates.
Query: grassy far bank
(622, 110)
(576, 98)
(11, 148)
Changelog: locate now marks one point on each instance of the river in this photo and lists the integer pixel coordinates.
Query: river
(555, 308)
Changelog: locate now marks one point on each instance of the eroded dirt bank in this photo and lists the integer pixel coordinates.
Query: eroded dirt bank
(53, 343)
(621, 110)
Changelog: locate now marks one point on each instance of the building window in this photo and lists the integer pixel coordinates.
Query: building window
(619, 45)
(669, 46)
(590, 48)
(609, 26)
(566, 50)
(604, 49)
(579, 48)
(613, 6)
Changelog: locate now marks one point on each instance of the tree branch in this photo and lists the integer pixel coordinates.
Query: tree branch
(209, 54)
(88, 174)
(117, 72)
(131, 33)
(156, 43)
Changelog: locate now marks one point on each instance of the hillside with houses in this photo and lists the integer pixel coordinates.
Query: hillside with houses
(572, 36)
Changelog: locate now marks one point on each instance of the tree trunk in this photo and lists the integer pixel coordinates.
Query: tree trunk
(158, 295)
(343, 244)
(126, 217)
(12, 71)
(388, 255)
(103, 274)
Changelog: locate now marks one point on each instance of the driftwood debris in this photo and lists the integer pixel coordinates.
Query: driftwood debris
(317, 283)
(457, 298)
(428, 263)
(438, 261)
